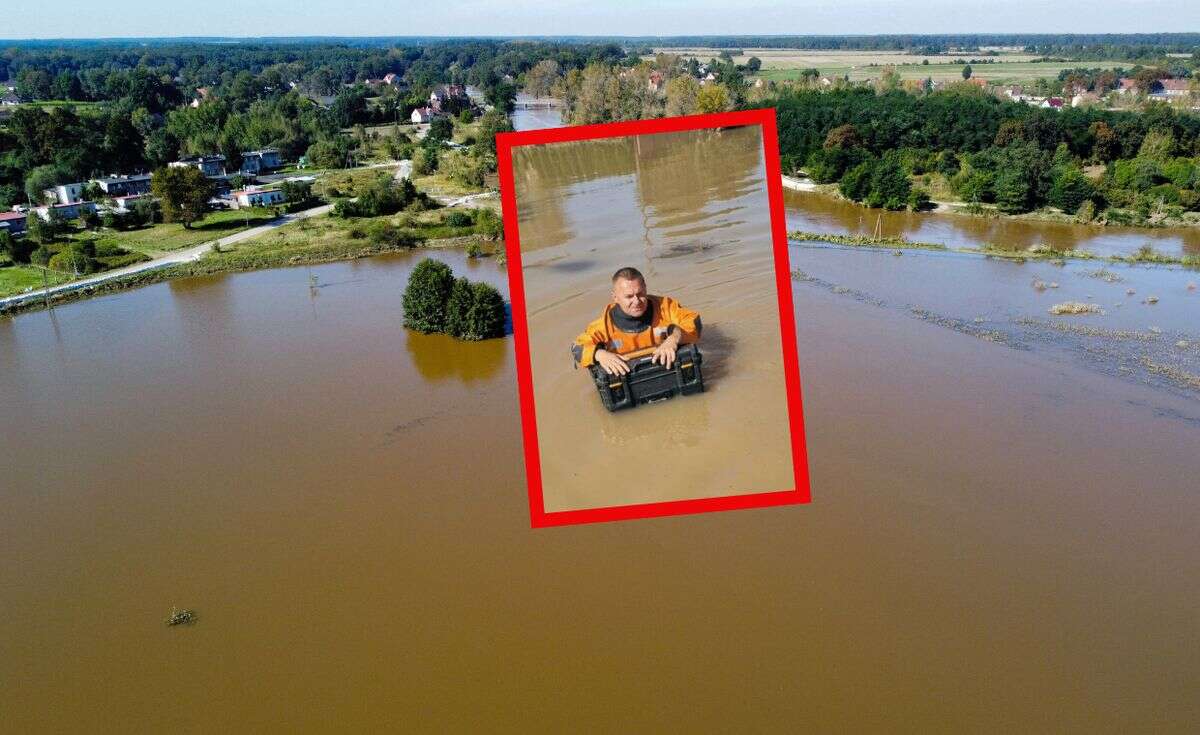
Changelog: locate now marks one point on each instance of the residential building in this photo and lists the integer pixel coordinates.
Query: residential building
(12, 222)
(63, 194)
(261, 161)
(422, 115)
(125, 203)
(65, 211)
(391, 78)
(9, 99)
(119, 186)
(1172, 89)
(444, 95)
(212, 165)
(1126, 86)
(202, 94)
(655, 82)
(254, 197)
(1084, 99)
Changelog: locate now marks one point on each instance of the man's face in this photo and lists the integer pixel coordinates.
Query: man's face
(630, 296)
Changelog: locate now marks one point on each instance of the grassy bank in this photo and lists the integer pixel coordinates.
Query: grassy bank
(17, 278)
(164, 238)
(1145, 254)
(308, 241)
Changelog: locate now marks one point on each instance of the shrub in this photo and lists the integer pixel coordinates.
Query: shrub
(425, 161)
(459, 218)
(458, 308)
(425, 298)
(1070, 189)
(475, 311)
(474, 250)
(1165, 193)
(489, 224)
(856, 184)
(384, 233)
(918, 200)
(18, 250)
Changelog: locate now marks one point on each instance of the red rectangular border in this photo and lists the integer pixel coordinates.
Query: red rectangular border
(505, 142)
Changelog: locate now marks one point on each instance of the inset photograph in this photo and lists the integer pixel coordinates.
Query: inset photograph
(656, 348)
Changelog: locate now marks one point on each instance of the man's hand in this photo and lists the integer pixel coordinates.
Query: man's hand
(664, 354)
(611, 363)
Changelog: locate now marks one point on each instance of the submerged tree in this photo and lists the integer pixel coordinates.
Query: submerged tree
(425, 298)
(437, 302)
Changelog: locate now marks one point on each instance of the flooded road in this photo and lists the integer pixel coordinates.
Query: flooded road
(689, 210)
(1001, 538)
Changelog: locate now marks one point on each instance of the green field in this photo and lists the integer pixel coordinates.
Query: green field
(162, 238)
(1000, 73)
(17, 278)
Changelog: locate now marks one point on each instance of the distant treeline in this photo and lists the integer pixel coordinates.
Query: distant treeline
(1129, 45)
(50, 71)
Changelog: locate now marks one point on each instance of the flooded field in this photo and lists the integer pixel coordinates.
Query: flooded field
(817, 213)
(1002, 535)
(690, 211)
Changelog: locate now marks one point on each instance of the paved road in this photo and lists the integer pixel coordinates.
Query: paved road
(180, 256)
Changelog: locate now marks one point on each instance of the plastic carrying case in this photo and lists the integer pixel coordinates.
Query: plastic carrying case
(648, 382)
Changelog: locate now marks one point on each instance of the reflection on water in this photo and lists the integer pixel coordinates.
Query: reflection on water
(439, 356)
(811, 212)
(689, 210)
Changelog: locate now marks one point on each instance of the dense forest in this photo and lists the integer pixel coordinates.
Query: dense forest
(986, 150)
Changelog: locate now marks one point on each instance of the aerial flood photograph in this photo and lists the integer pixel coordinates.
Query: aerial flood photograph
(265, 445)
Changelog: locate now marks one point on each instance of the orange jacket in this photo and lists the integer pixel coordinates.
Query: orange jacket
(666, 315)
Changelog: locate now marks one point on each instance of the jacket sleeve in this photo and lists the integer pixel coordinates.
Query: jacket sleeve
(583, 350)
(683, 319)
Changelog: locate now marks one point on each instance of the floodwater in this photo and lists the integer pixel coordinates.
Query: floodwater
(536, 117)
(690, 211)
(1002, 536)
(818, 213)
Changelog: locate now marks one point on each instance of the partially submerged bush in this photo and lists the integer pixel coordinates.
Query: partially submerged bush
(429, 287)
(437, 302)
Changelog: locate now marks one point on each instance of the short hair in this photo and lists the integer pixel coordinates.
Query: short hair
(628, 273)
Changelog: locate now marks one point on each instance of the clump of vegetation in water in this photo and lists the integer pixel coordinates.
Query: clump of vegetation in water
(425, 298)
(435, 301)
(1075, 307)
(182, 617)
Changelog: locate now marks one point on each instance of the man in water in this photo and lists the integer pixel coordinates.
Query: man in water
(634, 321)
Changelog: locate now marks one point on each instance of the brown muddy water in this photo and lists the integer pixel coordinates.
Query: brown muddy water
(820, 213)
(1002, 536)
(690, 211)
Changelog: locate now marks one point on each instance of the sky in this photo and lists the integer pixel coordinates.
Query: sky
(156, 18)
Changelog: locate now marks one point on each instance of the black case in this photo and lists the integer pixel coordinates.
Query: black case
(648, 382)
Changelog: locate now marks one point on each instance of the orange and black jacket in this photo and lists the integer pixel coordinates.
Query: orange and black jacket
(620, 333)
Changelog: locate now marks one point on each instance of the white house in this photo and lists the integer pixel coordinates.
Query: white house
(254, 197)
(422, 115)
(65, 211)
(63, 194)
